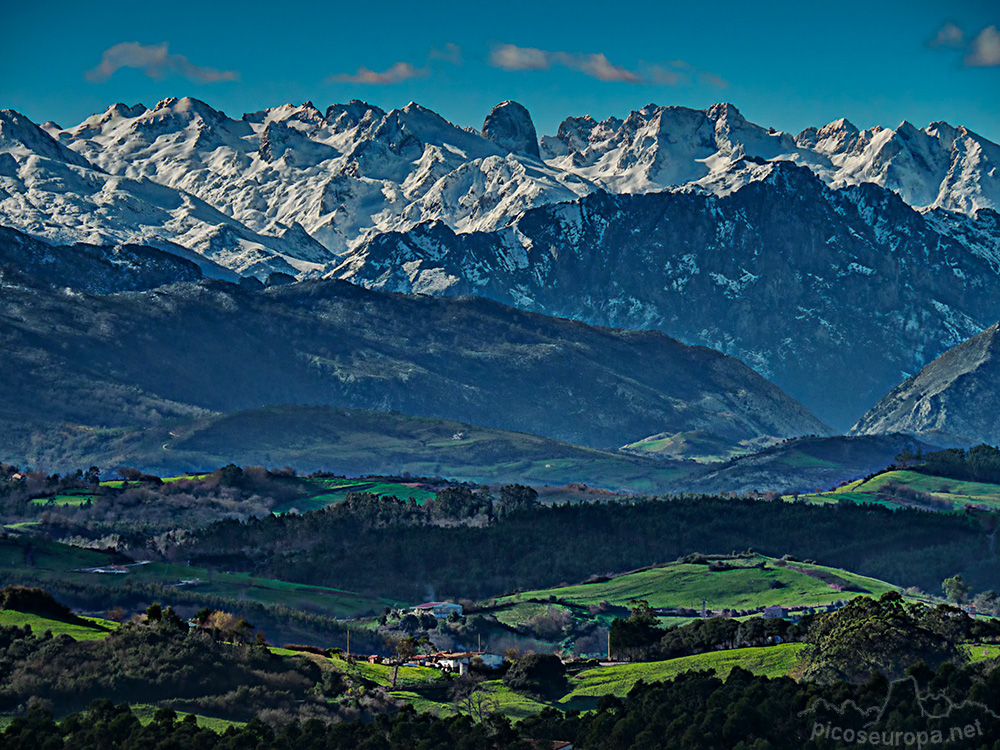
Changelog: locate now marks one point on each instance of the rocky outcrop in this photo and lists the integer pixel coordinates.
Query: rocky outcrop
(509, 126)
(952, 401)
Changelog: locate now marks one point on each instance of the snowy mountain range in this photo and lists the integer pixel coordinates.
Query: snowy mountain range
(836, 262)
(292, 188)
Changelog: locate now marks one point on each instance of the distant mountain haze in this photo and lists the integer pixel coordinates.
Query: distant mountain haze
(188, 350)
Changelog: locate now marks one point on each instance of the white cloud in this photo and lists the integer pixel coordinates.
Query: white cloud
(949, 35)
(397, 73)
(512, 57)
(156, 61)
(597, 65)
(400, 71)
(984, 51)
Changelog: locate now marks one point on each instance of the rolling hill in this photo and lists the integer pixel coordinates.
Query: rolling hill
(81, 369)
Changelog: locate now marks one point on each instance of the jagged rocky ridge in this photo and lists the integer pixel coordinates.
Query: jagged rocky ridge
(95, 269)
(288, 189)
(954, 400)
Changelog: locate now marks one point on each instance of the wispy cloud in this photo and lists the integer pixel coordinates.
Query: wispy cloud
(512, 57)
(949, 35)
(713, 80)
(451, 53)
(400, 71)
(156, 61)
(397, 73)
(597, 65)
(984, 51)
(666, 77)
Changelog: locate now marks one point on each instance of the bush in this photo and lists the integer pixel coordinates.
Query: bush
(541, 674)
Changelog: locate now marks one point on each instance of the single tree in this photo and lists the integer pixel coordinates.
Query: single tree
(956, 589)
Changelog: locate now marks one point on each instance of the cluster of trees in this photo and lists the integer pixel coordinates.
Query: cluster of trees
(219, 669)
(887, 635)
(958, 591)
(18, 486)
(980, 463)
(640, 637)
(388, 547)
(144, 514)
(695, 711)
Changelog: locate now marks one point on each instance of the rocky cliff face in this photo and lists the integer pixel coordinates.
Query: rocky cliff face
(509, 126)
(954, 400)
(833, 294)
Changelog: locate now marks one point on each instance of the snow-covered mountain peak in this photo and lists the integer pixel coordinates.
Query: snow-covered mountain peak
(840, 136)
(304, 116)
(509, 126)
(21, 138)
(724, 113)
(344, 117)
(355, 170)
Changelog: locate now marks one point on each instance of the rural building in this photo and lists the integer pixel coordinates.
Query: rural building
(438, 609)
(459, 661)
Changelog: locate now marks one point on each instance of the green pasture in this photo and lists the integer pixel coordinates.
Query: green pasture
(96, 630)
(319, 493)
(589, 685)
(981, 652)
(515, 706)
(73, 498)
(743, 587)
(145, 712)
(409, 677)
(947, 494)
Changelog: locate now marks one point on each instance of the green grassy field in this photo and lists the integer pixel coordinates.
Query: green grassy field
(58, 562)
(945, 494)
(381, 674)
(320, 493)
(589, 685)
(145, 713)
(97, 630)
(74, 498)
(981, 653)
(745, 587)
(515, 706)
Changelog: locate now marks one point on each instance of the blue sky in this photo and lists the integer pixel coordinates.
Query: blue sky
(788, 65)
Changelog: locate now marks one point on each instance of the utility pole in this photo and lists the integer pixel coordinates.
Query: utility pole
(609, 644)
(348, 644)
